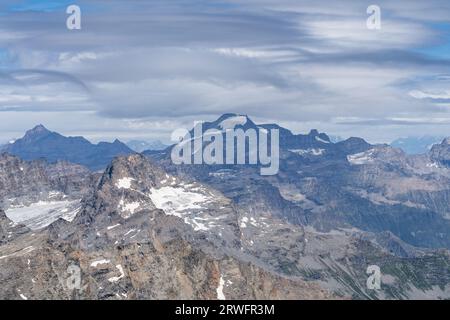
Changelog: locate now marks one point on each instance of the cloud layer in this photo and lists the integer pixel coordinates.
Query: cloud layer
(136, 64)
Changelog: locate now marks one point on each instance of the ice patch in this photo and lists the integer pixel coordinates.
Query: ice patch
(43, 213)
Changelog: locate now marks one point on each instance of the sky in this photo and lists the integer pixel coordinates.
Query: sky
(141, 69)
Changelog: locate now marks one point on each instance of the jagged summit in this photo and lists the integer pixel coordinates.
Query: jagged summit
(38, 129)
(226, 116)
(40, 142)
(230, 121)
(135, 166)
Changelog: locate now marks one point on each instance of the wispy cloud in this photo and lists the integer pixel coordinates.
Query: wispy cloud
(301, 63)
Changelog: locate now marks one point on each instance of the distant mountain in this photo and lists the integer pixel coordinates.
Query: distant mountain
(313, 139)
(42, 143)
(140, 146)
(336, 185)
(416, 145)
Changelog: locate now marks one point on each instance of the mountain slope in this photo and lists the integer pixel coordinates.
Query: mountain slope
(134, 239)
(42, 143)
(156, 250)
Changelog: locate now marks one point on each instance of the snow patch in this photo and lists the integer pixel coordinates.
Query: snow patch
(177, 201)
(99, 262)
(432, 165)
(122, 274)
(43, 213)
(124, 183)
(310, 151)
(321, 140)
(244, 221)
(220, 295)
(361, 158)
(129, 231)
(128, 209)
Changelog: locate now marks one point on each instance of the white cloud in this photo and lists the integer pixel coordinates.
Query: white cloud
(297, 62)
(427, 95)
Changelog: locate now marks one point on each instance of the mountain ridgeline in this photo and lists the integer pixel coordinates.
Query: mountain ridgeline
(41, 143)
(145, 228)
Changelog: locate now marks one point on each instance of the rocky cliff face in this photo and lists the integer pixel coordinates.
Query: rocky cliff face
(162, 249)
(144, 234)
(19, 177)
(37, 193)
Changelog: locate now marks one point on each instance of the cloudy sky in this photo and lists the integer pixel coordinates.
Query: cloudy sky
(142, 68)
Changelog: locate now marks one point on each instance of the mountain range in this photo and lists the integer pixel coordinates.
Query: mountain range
(145, 228)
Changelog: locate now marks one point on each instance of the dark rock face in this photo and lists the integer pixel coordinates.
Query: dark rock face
(42, 143)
